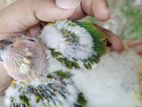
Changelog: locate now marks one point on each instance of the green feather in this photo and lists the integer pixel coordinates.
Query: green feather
(81, 101)
(99, 43)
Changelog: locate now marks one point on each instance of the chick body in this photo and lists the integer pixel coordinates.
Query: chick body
(112, 80)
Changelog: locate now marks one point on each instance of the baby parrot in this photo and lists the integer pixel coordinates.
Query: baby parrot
(22, 57)
(69, 65)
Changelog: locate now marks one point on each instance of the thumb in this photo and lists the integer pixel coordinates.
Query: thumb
(68, 4)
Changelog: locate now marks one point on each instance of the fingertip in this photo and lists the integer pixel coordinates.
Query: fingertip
(118, 45)
(34, 30)
(115, 41)
(78, 14)
(100, 9)
(102, 14)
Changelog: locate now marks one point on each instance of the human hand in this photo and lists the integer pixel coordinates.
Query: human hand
(26, 16)
(136, 45)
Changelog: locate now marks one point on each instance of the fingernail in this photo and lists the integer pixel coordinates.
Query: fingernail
(102, 11)
(68, 4)
(106, 11)
(103, 14)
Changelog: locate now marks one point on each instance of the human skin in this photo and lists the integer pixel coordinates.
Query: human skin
(26, 15)
(135, 44)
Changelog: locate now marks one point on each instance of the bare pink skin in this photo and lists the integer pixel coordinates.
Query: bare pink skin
(135, 44)
(21, 49)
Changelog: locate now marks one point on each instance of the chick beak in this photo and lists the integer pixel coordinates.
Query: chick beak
(3, 44)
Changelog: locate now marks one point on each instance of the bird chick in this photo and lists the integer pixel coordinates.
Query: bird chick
(22, 57)
(76, 48)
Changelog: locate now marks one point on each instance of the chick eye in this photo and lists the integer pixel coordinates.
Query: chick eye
(6, 42)
(31, 40)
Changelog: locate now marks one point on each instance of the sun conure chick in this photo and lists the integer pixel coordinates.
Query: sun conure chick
(69, 65)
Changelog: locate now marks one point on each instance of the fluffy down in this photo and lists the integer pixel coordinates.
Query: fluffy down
(104, 79)
(114, 82)
(57, 90)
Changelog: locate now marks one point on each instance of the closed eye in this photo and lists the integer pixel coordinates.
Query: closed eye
(31, 40)
(5, 42)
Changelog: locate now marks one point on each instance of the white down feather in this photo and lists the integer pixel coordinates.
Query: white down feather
(113, 82)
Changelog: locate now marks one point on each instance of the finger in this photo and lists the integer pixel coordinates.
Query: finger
(78, 14)
(34, 30)
(100, 9)
(97, 8)
(136, 45)
(114, 41)
(23, 14)
(68, 4)
(140, 53)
